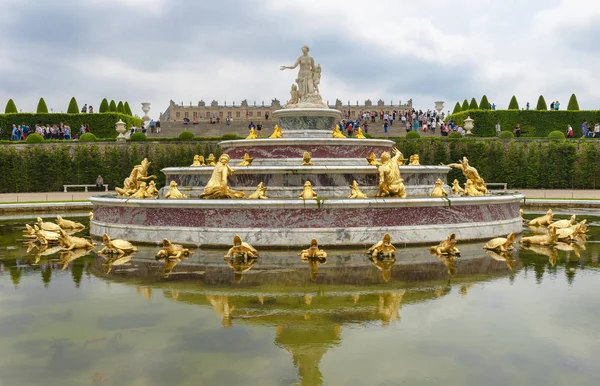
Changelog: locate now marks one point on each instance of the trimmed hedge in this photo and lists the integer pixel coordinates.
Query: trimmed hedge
(120, 108)
(127, 109)
(101, 125)
(455, 134)
(412, 135)
(465, 105)
(506, 134)
(186, 136)
(34, 138)
(88, 137)
(573, 104)
(103, 106)
(534, 123)
(541, 104)
(473, 105)
(457, 108)
(42, 107)
(513, 105)
(81, 164)
(112, 107)
(557, 135)
(73, 107)
(484, 104)
(138, 137)
(10, 108)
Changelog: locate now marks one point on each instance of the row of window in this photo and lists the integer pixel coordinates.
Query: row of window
(208, 115)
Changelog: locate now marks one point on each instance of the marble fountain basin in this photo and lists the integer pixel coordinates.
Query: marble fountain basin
(293, 223)
(287, 181)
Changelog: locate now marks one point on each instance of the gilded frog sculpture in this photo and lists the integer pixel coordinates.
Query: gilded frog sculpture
(260, 193)
(337, 132)
(68, 224)
(383, 248)
(211, 160)
(198, 161)
(544, 220)
(306, 159)
(457, 190)
(414, 160)
(174, 192)
(359, 133)
(355, 191)
(276, 132)
(308, 193)
(253, 134)
(241, 249)
(438, 190)
(446, 247)
(372, 160)
(247, 161)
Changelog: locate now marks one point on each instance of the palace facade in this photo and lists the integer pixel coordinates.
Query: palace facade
(244, 111)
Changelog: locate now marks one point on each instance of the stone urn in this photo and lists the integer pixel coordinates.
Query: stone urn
(120, 128)
(469, 125)
(439, 106)
(145, 109)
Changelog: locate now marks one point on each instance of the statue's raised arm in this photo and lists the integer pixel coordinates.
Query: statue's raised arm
(307, 91)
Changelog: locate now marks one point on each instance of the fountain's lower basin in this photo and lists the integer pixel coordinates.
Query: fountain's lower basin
(284, 223)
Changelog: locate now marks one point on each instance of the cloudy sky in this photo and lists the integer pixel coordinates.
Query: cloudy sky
(229, 50)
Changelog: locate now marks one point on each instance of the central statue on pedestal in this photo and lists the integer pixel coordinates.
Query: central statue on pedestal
(305, 93)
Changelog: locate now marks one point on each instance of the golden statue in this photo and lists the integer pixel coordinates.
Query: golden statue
(211, 161)
(68, 256)
(383, 248)
(116, 261)
(151, 191)
(253, 134)
(471, 190)
(306, 159)
(260, 193)
(313, 256)
(563, 223)
(450, 263)
(576, 232)
(276, 132)
(372, 160)
(172, 251)
(170, 264)
(72, 242)
(29, 232)
(446, 247)
(68, 224)
(471, 174)
(141, 192)
(241, 249)
(217, 185)
(501, 244)
(359, 133)
(247, 160)
(438, 190)
(550, 238)
(390, 183)
(45, 237)
(240, 263)
(549, 251)
(116, 246)
(308, 193)
(337, 133)
(456, 188)
(198, 161)
(137, 175)
(48, 226)
(174, 192)
(414, 160)
(355, 191)
(544, 220)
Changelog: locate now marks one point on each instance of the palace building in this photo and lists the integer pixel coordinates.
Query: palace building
(244, 111)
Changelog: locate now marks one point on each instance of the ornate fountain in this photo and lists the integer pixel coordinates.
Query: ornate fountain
(215, 203)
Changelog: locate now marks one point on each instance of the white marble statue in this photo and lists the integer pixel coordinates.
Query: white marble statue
(309, 77)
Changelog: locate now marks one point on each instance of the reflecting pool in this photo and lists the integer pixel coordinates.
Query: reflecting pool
(482, 319)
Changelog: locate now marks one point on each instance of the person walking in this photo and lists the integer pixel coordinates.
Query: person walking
(569, 131)
(584, 128)
(498, 129)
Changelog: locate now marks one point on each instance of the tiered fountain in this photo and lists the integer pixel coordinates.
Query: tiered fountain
(283, 219)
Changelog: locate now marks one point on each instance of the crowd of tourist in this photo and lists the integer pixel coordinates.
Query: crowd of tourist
(413, 120)
(57, 132)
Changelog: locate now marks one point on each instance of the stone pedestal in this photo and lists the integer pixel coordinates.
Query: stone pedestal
(312, 122)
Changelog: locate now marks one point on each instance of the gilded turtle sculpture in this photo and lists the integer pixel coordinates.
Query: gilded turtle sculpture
(241, 248)
(172, 251)
(116, 246)
(48, 226)
(501, 244)
(550, 238)
(563, 223)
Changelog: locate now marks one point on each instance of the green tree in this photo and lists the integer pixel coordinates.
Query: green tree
(120, 108)
(457, 108)
(112, 107)
(465, 105)
(41, 107)
(484, 104)
(573, 104)
(103, 106)
(541, 105)
(513, 105)
(127, 109)
(473, 104)
(73, 108)
(11, 108)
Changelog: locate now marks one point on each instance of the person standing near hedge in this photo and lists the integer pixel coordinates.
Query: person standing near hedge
(517, 130)
(100, 183)
(584, 128)
(597, 130)
(498, 129)
(569, 131)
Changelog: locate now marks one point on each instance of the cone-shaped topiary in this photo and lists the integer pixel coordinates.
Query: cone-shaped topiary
(484, 104)
(120, 108)
(73, 108)
(457, 108)
(541, 105)
(112, 107)
(473, 104)
(513, 105)
(465, 105)
(11, 108)
(42, 108)
(103, 106)
(127, 109)
(573, 104)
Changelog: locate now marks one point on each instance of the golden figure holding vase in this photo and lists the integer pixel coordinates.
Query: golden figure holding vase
(217, 185)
